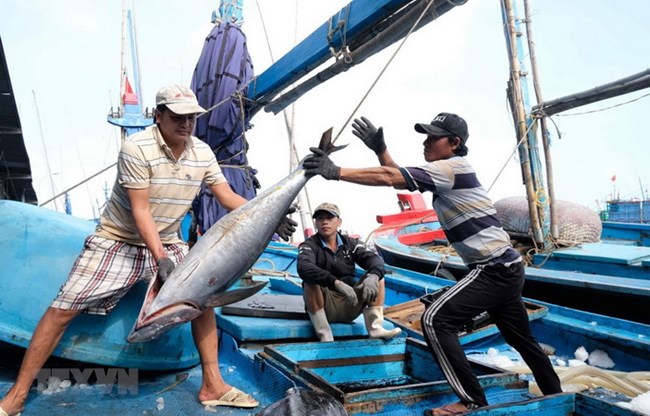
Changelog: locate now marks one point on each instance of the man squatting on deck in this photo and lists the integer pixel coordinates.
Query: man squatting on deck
(468, 218)
(138, 237)
(326, 264)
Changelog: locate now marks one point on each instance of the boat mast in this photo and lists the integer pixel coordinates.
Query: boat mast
(541, 199)
(129, 116)
(546, 139)
(47, 159)
(123, 54)
(304, 206)
(526, 128)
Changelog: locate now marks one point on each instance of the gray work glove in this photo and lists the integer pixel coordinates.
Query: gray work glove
(318, 163)
(287, 225)
(369, 134)
(369, 288)
(165, 268)
(350, 295)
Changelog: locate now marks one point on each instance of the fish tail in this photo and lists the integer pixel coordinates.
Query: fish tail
(326, 144)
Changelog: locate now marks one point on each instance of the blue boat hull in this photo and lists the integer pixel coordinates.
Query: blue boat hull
(608, 279)
(40, 248)
(628, 233)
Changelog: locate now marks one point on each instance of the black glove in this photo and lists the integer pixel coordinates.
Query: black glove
(165, 268)
(369, 134)
(350, 295)
(287, 226)
(319, 163)
(369, 288)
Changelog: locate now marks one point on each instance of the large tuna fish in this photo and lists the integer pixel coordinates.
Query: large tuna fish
(219, 259)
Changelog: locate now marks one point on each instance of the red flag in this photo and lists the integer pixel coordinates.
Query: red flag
(613, 178)
(128, 96)
(127, 88)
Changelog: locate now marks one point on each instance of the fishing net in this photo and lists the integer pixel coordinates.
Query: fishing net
(576, 223)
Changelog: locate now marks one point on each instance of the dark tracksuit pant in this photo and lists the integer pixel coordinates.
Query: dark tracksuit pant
(497, 289)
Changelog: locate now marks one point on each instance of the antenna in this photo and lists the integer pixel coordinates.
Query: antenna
(642, 192)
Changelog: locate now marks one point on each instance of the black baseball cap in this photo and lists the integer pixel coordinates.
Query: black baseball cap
(445, 124)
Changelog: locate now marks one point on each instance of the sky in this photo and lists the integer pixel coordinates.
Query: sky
(64, 64)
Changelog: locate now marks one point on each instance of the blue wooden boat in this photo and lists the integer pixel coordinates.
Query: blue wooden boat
(267, 346)
(611, 277)
(630, 233)
(633, 211)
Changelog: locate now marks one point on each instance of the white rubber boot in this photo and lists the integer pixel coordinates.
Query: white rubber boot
(374, 318)
(321, 326)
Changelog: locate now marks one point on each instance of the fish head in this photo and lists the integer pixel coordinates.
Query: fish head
(153, 320)
(185, 294)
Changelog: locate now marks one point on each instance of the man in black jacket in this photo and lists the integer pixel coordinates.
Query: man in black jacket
(326, 264)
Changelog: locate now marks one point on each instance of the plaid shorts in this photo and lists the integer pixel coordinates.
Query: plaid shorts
(105, 270)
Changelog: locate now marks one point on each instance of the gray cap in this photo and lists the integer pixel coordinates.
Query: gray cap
(329, 208)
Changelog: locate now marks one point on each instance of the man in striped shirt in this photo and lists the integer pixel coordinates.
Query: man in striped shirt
(159, 171)
(467, 215)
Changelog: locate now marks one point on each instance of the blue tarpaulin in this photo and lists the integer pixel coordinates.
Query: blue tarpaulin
(221, 79)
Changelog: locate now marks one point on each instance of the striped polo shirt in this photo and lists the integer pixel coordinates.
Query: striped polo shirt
(465, 210)
(145, 161)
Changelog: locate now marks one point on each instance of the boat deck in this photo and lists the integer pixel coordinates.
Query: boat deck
(174, 393)
(169, 393)
(616, 260)
(272, 349)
